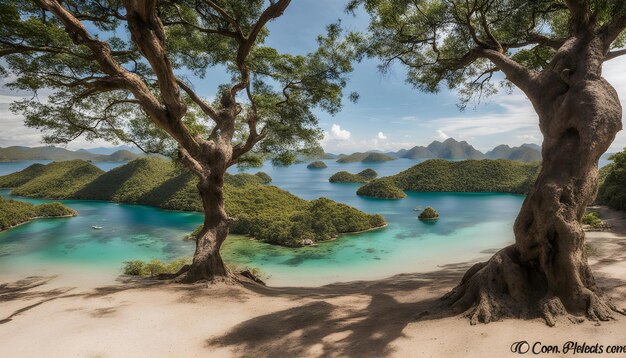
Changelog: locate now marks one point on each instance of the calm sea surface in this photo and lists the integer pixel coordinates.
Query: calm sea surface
(470, 224)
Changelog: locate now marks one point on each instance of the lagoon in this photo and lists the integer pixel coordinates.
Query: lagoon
(470, 224)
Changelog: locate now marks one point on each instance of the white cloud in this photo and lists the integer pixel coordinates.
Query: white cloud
(442, 135)
(381, 136)
(336, 133)
(529, 137)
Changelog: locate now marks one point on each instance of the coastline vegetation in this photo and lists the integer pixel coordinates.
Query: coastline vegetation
(13, 212)
(317, 165)
(612, 191)
(437, 175)
(428, 214)
(382, 189)
(346, 177)
(265, 212)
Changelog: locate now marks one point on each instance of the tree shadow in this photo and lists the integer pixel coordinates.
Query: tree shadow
(321, 328)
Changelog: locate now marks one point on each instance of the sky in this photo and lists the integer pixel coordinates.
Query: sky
(390, 113)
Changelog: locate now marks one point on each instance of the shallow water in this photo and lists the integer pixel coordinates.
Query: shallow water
(470, 224)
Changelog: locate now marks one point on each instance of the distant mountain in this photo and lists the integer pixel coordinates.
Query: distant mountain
(418, 152)
(12, 154)
(452, 149)
(367, 157)
(524, 153)
(111, 150)
(121, 156)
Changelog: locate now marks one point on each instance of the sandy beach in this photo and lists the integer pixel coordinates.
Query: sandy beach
(60, 316)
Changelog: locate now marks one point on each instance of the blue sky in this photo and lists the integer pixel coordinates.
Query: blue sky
(389, 115)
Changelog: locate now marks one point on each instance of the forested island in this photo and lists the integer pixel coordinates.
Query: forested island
(264, 212)
(464, 176)
(317, 165)
(13, 212)
(368, 157)
(363, 176)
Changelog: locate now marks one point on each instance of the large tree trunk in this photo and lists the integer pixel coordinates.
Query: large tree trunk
(207, 261)
(545, 273)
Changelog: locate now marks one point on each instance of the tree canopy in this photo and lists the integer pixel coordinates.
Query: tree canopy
(127, 71)
(463, 43)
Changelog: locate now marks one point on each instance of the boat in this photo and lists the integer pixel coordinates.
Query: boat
(96, 227)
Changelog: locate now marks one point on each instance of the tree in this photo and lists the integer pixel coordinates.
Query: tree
(553, 51)
(115, 70)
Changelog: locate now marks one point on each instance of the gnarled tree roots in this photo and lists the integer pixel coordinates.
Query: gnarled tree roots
(188, 276)
(505, 288)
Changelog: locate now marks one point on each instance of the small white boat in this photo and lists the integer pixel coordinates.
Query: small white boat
(96, 227)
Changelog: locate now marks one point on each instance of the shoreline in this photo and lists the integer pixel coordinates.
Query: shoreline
(36, 218)
(381, 317)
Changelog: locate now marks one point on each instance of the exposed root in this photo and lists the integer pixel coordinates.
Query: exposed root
(503, 288)
(552, 308)
(600, 308)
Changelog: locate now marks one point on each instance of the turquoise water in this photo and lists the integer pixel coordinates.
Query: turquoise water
(470, 224)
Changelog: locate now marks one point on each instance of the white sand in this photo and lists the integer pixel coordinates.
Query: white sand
(64, 318)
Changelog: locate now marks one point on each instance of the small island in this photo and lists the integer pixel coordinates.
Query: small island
(367, 157)
(14, 213)
(381, 188)
(317, 165)
(429, 214)
(361, 177)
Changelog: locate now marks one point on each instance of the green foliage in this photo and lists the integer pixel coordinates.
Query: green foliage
(365, 158)
(242, 179)
(54, 210)
(381, 188)
(285, 90)
(428, 214)
(265, 212)
(368, 174)
(154, 267)
(439, 42)
(317, 220)
(612, 190)
(317, 165)
(13, 212)
(463, 176)
(345, 177)
(59, 180)
(468, 176)
(592, 219)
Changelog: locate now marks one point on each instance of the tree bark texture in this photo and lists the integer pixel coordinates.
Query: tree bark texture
(545, 273)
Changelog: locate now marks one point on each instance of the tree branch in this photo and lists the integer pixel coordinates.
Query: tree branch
(102, 53)
(519, 75)
(580, 15)
(614, 54)
(205, 107)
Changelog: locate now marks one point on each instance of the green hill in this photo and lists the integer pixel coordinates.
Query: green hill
(525, 153)
(612, 190)
(462, 176)
(10, 154)
(13, 212)
(365, 158)
(452, 149)
(265, 212)
(417, 152)
(345, 177)
(57, 180)
(317, 165)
